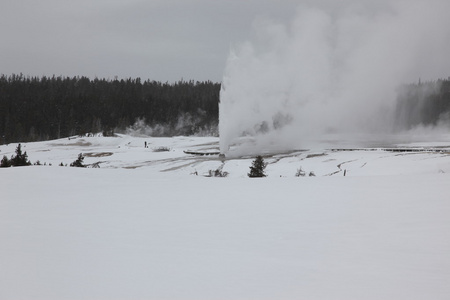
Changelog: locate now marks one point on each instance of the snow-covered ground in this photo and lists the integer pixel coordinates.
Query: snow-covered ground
(148, 225)
(167, 156)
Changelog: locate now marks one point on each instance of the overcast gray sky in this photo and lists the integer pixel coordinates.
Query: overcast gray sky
(163, 40)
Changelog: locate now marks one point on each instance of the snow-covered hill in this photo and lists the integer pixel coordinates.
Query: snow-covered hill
(144, 226)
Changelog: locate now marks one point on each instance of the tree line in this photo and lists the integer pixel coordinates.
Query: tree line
(423, 103)
(43, 108)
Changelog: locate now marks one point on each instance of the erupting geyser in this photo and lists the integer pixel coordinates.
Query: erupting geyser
(329, 72)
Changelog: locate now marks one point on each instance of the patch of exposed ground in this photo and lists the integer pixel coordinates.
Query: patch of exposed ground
(180, 166)
(207, 144)
(161, 149)
(329, 160)
(345, 162)
(277, 158)
(316, 155)
(180, 162)
(81, 143)
(98, 154)
(340, 168)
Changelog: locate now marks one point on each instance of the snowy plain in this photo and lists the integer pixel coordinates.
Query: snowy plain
(150, 223)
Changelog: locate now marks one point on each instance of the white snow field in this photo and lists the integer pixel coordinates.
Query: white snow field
(144, 226)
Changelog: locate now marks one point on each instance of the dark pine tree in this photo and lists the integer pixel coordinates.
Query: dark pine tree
(21, 159)
(257, 167)
(5, 163)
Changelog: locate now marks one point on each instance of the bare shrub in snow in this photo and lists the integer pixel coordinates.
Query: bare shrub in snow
(217, 173)
(300, 172)
(79, 162)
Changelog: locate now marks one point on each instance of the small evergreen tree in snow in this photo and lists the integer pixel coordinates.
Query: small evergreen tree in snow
(5, 163)
(79, 162)
(257, 167)
(21, 159)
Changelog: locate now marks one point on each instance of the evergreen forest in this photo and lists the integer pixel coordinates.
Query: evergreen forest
(423, 103)
(43, 108)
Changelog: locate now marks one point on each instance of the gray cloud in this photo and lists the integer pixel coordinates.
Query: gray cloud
(160, 40)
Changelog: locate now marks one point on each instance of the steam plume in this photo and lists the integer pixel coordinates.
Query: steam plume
(330, 71)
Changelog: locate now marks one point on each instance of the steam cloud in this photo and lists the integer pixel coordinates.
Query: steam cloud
(330, 71)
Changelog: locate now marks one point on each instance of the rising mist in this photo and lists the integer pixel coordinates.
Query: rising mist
(330, 72)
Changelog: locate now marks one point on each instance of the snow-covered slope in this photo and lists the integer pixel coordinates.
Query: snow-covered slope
(171, 155)
(144, 226)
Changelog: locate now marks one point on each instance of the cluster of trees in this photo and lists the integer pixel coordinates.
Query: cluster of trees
(423, 103)
(21, 160)
(42, 108)
(18, 160)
